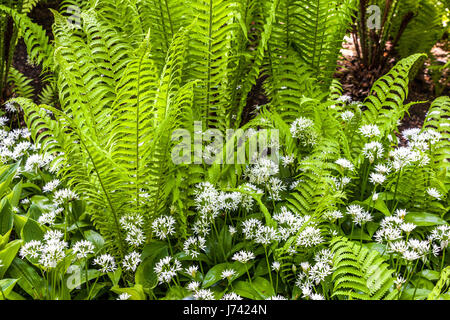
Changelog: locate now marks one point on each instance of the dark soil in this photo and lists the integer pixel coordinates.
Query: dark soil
(357, 81)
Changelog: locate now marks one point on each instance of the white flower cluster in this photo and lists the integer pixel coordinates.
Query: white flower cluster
(167, 268)
(38, 161)
(231, 296)
(370, 131)
(106, 262)
(48, 252)
(347, 116)
(340, 183)
(64, 195)
(311, 236)
(345, 164)
(83, 248)
(132, 224)
(14, 145)
(275, 186)
(261, 171)
(421, 140)
(247, 200)
(289, 224)
(50, 216)
(3, 121)
(243, 256)
(393, 230)
(312, 275)
(164, 226)
(303, 130)
(60, 198)
(333, 215)
(194, 245)
(434, 193)
(406, 156)
(358, 214)
(131, 261)
(441, 235)
(373, 150)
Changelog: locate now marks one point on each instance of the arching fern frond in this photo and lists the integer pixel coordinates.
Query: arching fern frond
(438, 119)
(21, 84)
(385, 102)
(38, 47)
(360, 273)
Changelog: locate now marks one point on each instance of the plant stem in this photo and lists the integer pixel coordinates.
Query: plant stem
(268, 266)
(248, 274)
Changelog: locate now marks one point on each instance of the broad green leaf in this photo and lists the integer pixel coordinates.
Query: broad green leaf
(6, 216)
(8, 254)
(259, 289)
(14, 196)
(431, 275)
(145, 274)
(115, 276)
(29, 280)
(19, 223)
(424, 219)
(6, 177)
(418, 294)
(6, 285)
(214, 275)
(95, 238)
(177, 293)
(136, 292)
(32, 231)
(76, 277)
(4, 239)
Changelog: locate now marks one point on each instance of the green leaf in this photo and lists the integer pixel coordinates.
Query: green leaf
(136, 292)
(259, 289)
(95, 238)
(6, 216)
(29, 280)
(431, 275)
(424, 219)
(19, 223)
(152, 253)
(115, 276)
(420, 294)
(214, 275)
(4, 239)
(32, 231)
(77, 277)
(6, 177)
(14, 196)
(8, 254)
(7, 285)
(177, 293)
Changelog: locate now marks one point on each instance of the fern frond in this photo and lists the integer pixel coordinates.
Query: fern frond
(385, 102)
(359, 273)
(21, 84)
(38, 47)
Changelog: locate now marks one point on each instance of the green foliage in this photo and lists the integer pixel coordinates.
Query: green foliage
(21, 84)
(360, 273)
(96, 166)
(441, 286)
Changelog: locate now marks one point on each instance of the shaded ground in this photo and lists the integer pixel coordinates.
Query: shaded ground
(357, 81)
